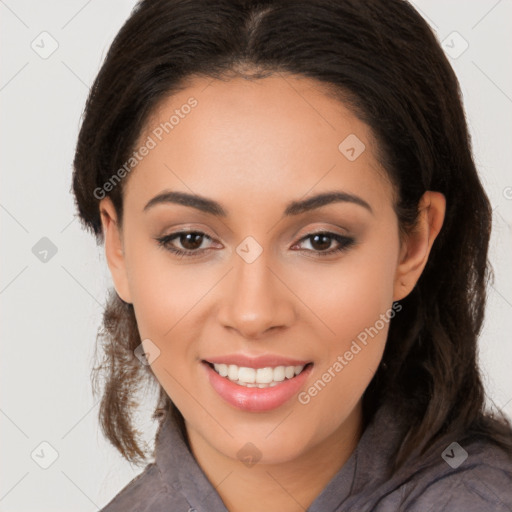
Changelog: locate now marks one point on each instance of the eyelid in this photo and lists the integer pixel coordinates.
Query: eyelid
(188, 228)
(296, 236)
(320, 227)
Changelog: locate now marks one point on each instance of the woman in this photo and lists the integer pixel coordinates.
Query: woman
(297, 237)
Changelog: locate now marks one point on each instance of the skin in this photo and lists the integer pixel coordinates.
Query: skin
(254, 146)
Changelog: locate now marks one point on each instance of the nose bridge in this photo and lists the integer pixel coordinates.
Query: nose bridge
(256, 300)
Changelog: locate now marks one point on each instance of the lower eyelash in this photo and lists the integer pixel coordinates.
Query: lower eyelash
(345, 243)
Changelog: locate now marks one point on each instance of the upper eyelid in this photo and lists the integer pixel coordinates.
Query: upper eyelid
(335, 226)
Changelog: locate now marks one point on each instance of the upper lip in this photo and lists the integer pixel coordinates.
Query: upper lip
(256, 361)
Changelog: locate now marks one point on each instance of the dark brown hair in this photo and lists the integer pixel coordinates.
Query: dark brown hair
(381, 58)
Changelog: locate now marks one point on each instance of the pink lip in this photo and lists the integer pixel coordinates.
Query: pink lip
(256, 399)
(257, 361)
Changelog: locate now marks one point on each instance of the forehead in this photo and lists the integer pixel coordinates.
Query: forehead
(274, 137)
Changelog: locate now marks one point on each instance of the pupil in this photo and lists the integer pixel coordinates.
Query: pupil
(325, 241)
(189, 240)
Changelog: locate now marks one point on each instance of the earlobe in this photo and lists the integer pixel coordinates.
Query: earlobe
(417, 245)
(114, 249)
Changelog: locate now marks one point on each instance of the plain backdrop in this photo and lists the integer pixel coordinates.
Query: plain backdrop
(54, 278)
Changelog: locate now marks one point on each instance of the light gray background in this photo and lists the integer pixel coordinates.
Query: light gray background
(51, 310)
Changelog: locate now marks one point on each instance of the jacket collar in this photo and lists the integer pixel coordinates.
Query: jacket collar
(368, 463)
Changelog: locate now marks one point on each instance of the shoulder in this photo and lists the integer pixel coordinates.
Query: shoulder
(146, 492)
(474, 478)
(142, 488)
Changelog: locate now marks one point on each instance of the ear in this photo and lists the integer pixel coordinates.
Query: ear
(114, 250)
(415, 249)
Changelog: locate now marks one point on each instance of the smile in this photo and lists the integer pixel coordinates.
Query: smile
(257, 377)
(264, 386)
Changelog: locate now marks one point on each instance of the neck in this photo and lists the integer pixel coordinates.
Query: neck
(291, 486)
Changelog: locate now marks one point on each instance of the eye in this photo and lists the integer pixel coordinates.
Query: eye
(191, 242)
(322, 240)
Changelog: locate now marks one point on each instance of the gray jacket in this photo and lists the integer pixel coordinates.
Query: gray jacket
(472, 478)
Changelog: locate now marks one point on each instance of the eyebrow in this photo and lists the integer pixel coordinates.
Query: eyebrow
(293, 208)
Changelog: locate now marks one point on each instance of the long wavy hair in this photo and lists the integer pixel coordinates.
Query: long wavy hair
(381, 59)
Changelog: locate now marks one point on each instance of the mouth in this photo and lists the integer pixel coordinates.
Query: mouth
(264, 386)
(261, 378)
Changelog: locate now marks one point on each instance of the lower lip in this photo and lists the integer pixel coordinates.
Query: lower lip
(256, 399)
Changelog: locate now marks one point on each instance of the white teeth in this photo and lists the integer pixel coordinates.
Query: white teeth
(264, 375)
(279, 374)
(260, 377)
(222, 369)
(232, 372)
(247, 375)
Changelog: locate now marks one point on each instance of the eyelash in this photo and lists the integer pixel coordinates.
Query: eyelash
(165, 241)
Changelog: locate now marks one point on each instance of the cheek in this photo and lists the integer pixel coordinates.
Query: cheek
(168, 299)
(163, 289)
(354, 302)
(351, 294)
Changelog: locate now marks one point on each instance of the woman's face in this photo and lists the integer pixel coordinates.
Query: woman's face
(260, 289)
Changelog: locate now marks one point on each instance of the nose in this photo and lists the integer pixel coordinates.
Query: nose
(255, 300)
